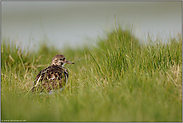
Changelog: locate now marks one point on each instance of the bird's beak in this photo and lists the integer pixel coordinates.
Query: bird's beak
(68, 62)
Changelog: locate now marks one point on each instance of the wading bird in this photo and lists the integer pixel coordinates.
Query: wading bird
(52, 77)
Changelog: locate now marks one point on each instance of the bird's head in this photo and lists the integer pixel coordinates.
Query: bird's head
(60, 60)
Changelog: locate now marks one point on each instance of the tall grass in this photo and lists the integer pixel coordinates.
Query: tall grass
(119, 80)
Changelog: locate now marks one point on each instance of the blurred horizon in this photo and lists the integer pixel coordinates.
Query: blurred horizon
(78, 23)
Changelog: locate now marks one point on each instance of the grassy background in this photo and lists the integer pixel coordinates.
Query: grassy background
(117, 80)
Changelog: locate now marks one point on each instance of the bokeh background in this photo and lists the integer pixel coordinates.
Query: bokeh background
(79, 23)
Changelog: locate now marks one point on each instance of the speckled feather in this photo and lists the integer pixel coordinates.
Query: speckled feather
(52, 77)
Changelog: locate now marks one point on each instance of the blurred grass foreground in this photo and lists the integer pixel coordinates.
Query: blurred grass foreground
(120, 79)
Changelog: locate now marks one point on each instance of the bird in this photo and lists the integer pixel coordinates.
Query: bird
(53, 77)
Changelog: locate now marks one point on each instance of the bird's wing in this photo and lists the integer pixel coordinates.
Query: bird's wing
(51, 75)
(39, 77)
(47, 74)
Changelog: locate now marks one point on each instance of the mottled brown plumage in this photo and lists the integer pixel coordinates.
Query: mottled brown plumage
(52, 77)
